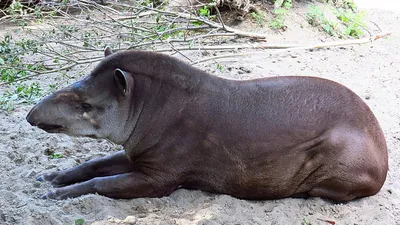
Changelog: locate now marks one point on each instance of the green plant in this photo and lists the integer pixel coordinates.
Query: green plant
(220, 67)
(162, 30)
(278, 22)
(348, 4)
(12, 66)
(355, 22)
(204, 12)
(16, 10)
(21, 94)
(57, 156)
(91, 38)
(346, 13)
(258, 16)
(79, 221)
(316, 17)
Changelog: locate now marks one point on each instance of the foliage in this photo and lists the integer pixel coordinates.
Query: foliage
(12, 67)
(355, 24)
(346, 13)
(79, 221)
(258, 16)
(316, 17)
(278, 22)
(205, 12)
(220, 67)
(21, 94)
(56, 156)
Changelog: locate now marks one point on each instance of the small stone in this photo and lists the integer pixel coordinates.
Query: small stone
(130, 220)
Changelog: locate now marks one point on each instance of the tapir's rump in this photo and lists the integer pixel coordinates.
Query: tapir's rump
(181, 127)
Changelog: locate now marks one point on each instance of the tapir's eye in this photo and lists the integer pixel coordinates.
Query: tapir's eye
(86, 107)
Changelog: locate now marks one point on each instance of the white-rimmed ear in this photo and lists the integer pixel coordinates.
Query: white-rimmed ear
(124, 81)
(107, 51)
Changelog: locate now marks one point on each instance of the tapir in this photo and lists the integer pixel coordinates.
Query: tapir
(181, 127)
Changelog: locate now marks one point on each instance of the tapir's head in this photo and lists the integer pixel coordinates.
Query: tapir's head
(96, 106)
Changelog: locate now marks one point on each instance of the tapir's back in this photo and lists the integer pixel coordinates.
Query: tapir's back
(281, 106)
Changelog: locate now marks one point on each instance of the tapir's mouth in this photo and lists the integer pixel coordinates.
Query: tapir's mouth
(51, 128)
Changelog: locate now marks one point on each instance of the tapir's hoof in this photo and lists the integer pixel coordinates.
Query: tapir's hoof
(46, 177)
(52, 195)
(52, 178)
(45, 196)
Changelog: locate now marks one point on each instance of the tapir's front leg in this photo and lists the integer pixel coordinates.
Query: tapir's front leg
(116, 163)
(129, 185)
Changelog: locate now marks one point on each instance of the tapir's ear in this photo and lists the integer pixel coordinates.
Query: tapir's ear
(107, 51)
(124, 81)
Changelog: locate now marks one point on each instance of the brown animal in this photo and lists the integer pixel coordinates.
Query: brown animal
(183, 128)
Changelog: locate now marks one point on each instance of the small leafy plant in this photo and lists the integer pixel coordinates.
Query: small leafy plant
(352, 22)
(220, 67)
(316, 17)
(206, 13)
(79, 221)
(56, 156)
(355, 24)
(278, 22)
(258, 16)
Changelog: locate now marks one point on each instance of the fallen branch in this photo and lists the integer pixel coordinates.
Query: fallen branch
(230, 47)
(304, 47)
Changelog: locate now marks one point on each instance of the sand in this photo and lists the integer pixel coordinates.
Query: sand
(371, 70)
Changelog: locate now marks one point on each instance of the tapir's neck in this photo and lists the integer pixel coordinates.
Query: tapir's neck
(158, 107)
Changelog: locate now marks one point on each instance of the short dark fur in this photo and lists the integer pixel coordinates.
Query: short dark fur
(162, 67)
(258, 139)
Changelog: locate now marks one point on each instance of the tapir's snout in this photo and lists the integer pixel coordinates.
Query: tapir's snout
(42, 117)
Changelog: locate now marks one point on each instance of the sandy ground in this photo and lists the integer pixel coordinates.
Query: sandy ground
(371, 70)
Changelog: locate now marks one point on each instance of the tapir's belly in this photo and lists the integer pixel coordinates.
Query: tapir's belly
(261, 172)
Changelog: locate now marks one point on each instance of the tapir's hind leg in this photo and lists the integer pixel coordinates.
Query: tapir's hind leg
(355, 166)
(340, 190)
(116, 163)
